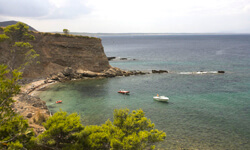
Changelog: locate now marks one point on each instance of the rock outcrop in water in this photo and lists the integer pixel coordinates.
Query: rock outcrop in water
(159, 71)
(69, 74)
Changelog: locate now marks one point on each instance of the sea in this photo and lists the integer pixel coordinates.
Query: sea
(206, 111)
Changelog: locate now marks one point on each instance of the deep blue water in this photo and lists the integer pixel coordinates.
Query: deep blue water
(208, 111)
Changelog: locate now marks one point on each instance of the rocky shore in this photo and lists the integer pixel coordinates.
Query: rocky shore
(32, 107)
(70, 74)
(29, 105)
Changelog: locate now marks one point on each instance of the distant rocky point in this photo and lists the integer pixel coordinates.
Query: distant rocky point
(119, 58)
(7, 23)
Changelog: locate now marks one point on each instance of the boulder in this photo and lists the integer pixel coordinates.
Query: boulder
(159, 71)
(67, 71)
(29, 115)
(33, 100)
(221, 71)
(89, 74)
(123, 58)
(111, 58)
(54, 77)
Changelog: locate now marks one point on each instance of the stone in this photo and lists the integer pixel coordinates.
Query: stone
(67, 71)
(54, 77)
(89, 74)
(29, 115)
(50, 81)
(111, 58)
(159, 71)
(221, 71)
(123, 58)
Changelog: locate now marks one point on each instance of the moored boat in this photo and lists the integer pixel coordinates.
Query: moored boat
(161, 98)
(60, 101)
(123, 92)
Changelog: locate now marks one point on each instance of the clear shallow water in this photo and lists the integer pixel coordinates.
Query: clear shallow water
(205, 111)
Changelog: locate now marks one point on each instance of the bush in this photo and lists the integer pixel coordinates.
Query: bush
(129, 131)
(41, 118)
(57, 35)
(60, 130)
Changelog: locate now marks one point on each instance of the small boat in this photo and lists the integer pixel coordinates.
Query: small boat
(60, 101)
(123, 92)
(161, 98)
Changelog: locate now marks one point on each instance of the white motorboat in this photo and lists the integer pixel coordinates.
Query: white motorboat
(161, 98)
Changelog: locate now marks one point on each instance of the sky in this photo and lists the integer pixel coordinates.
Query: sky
(131, 16)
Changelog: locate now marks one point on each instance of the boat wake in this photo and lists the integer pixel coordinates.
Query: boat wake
(202, 72)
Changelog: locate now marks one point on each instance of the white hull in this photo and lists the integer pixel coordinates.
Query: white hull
(161, 98)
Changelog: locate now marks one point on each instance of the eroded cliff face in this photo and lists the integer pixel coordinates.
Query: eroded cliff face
(60, 51)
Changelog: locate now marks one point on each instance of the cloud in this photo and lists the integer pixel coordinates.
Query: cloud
(131, 15)
(43, 9)
(66, 9)
(24, 8)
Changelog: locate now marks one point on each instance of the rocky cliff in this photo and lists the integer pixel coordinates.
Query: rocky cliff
(59, 51)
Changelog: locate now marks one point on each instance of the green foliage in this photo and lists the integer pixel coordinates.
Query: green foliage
(18, 32)
(58, 35)
(8, 88)
(14, 132)
(60, 130)
(3, 37)
(21, 52)
(135, 130)
(128, 132)
(46, 33)
(65, 31)
(93, 137)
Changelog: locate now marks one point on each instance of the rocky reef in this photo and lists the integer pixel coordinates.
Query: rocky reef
(70, 74)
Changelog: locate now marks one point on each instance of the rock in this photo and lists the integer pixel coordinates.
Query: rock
(56, 53)
(89, 74)
(67, 71)
(61, 75)
(32, 100)
(221, 71)
(112, 72)
(123, 58)
(111, 58)
(54, 77)
(29, 115)
(50, 81)
(79, 71)
(160, 71)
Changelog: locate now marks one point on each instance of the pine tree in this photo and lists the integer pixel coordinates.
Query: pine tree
(20, 53)
(14, 132)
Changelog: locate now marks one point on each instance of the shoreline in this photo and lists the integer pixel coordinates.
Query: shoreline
(31, 107)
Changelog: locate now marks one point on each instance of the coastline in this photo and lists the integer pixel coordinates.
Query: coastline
(32, 108)
(29, 105)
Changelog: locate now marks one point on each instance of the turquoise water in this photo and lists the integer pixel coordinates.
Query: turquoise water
(209, 111)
